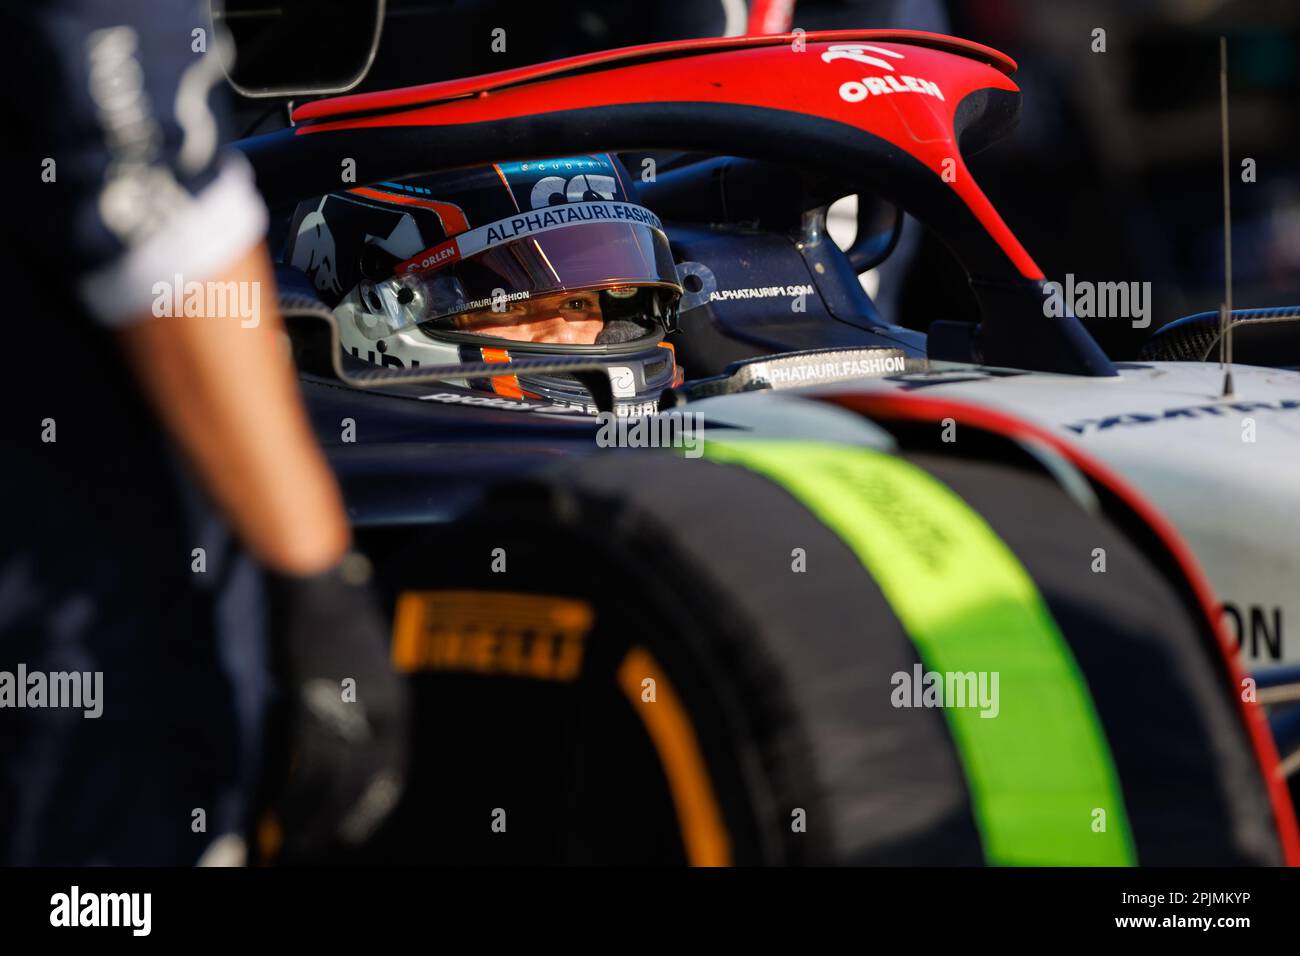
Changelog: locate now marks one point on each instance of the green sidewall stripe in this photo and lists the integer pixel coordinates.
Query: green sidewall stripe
(1039, 770)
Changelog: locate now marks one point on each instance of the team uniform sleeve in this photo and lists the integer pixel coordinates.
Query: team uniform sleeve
(124, 184)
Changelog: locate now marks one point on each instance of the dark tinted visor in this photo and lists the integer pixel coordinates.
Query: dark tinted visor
(580, 246)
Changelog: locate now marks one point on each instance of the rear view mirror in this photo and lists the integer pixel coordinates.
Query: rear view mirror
(879, 225)
(298, 47)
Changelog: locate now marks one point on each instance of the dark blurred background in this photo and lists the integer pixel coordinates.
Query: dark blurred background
(1113, 174)
(1115, 170)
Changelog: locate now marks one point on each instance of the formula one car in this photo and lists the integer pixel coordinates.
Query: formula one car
(774, 654)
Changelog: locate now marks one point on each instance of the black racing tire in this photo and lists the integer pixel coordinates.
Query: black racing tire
(769, 677)
(781, 745)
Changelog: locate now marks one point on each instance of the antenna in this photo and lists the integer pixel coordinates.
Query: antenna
(1225, 311)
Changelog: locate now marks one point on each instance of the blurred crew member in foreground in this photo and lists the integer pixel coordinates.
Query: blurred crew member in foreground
(153, 437)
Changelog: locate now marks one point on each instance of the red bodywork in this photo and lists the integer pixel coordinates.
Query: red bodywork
(904, 88)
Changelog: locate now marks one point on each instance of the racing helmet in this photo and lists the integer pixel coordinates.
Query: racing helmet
(526, 259)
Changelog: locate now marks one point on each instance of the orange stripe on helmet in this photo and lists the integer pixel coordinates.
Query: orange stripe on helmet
(450, 215)
(509, 192)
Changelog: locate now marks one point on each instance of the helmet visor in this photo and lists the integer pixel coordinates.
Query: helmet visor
(533, 256)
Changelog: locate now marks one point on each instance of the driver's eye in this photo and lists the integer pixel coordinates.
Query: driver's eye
(578, 305)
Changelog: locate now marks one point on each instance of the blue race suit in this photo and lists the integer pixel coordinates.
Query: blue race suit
(114, 184)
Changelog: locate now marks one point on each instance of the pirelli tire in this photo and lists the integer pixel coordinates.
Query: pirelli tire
(637, 658)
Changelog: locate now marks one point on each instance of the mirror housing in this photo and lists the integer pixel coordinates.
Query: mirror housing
(297, 47)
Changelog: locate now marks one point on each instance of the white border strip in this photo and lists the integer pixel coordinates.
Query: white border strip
(210, 233)
(523, 225)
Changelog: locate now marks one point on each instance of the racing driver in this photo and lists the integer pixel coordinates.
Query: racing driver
(514, 260)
